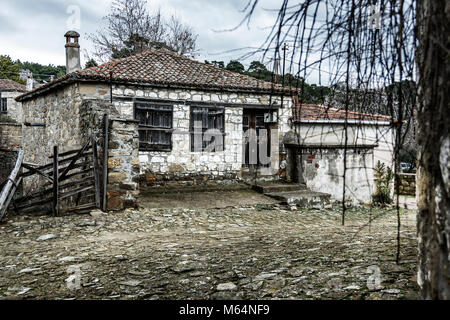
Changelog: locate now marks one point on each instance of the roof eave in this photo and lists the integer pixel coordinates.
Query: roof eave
(73, 79)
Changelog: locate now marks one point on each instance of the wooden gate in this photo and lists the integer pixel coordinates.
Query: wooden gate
(72, 182)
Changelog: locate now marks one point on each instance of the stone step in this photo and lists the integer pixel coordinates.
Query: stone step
(303, 198)
(273, 187)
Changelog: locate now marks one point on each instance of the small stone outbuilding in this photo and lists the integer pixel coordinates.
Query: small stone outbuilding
(9, 107)
(326, 141)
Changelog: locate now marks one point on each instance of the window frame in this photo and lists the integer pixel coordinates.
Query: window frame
(158, 108)
(3, 105)
(209, 109)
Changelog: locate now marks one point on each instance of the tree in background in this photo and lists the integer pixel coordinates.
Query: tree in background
(9, 69)
(132, 29)
(41, 72)
(235, 66)
(91, 63)
(218, 64)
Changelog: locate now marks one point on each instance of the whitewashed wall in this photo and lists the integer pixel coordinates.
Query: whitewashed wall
(323, 143)
(14, 108)
(181, 161)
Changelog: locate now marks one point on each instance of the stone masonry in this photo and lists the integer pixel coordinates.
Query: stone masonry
(407, 183)
(14, 107)
(70, 114)
(123, 164)
(10, 135)
(182, 165)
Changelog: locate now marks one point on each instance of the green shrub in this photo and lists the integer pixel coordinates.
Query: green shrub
(383, 178)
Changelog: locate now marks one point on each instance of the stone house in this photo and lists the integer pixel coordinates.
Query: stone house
(9, 90)
(318, 154)
(192, 117)
(179, 121)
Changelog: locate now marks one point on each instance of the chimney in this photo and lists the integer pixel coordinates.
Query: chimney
(30, 82)
(72, 52)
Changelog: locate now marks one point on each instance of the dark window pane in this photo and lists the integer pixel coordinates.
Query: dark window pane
(153, 120)
(204, 119)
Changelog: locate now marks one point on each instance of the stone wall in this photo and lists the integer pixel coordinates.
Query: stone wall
(407, 183)
(14, 108)
(318, 133)
(57, 115)
(322, 170)
(10, 135)
(186, 167)
(183, 165)
(69, 115)
(8, 159)
(123, 164)
(55, 119)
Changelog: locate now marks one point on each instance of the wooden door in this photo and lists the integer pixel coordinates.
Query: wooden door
(253, 123)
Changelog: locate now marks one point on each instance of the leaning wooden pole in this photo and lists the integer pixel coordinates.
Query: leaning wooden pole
(55, 207)
(105, 161)
(10, 185)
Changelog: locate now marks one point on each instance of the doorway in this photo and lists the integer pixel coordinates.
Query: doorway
(256, 139)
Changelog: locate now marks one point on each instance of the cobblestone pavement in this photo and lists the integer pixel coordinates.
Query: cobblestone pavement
(254, 252)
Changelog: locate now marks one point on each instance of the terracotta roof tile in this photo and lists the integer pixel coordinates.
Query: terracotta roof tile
(10, 85)
(310, 112)
(163, 67)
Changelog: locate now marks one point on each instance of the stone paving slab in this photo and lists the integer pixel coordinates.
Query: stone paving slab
(242, 252)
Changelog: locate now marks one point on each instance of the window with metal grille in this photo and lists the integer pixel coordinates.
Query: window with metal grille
(155, 126)
(3, 105)
(207, 128)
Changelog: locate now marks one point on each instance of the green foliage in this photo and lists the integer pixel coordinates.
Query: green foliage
(218, 64)
(256, 67)
(235, 66)
(91, 63)
(384, 177)
(409, 155)
(42, 72)
(9, 69)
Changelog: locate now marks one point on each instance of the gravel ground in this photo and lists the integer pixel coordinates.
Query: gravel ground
(253, 252)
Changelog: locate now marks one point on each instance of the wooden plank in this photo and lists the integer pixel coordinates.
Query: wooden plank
(23, 206)
(76, 174)
(55, 207)
(87, 206)
(105, 160)
(4, 195)
(29, 197)
(68, 153)
(50, 165)
(84, 165)
(34, 170)
(96, 172)
(79, 195)
(8, 201)
(75, 158)
(75, 192)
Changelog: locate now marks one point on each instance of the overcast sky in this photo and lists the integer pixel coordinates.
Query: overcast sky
(34, 30)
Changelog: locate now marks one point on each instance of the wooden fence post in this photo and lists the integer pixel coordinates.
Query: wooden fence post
(7, 193)
(105, 161)
(96, 172)
(55, 207)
